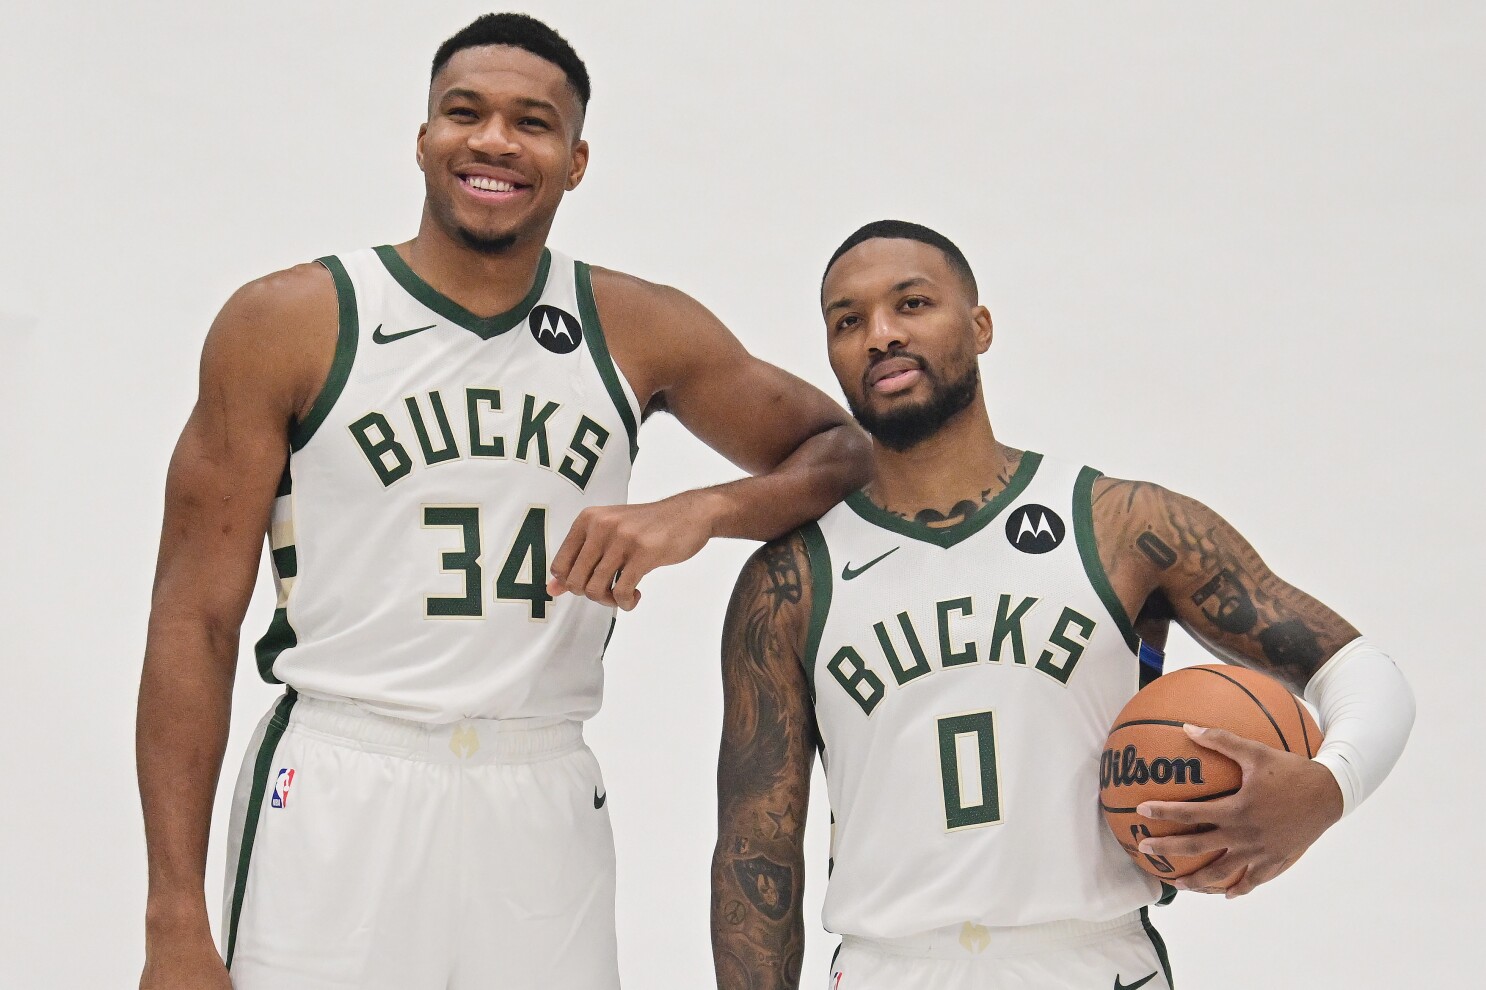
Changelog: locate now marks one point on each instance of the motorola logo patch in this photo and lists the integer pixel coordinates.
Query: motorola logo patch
(1035, 529)
(559, 332)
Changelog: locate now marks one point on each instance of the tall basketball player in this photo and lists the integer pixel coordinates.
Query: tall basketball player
(956, 639)
(416, 426)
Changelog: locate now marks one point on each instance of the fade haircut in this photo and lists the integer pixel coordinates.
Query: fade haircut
(518, 31)
(904, 230)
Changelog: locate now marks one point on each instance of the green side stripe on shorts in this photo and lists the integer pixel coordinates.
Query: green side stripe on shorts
(1159, 943)
(262, 767)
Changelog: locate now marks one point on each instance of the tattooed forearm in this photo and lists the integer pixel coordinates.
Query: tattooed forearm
(1151, 539)
(763, 775)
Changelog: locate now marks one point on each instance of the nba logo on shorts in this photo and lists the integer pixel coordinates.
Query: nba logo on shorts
(281, 788)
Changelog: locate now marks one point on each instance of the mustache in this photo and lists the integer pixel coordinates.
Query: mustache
(893, 355)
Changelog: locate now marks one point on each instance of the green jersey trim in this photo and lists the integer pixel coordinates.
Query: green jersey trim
(1158, 942)
(948, 536)
(593, 332)
(280, 637)
(820, 596)
(1083, 530)
(484, 327)
(262, 767)
(347, 334)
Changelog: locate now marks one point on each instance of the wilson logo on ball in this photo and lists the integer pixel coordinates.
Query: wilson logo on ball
(1123, 768)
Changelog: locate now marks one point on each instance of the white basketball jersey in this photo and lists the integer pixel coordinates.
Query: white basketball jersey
(428, 488)
(965, 680)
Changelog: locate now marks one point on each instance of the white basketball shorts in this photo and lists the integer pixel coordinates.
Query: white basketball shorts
(375, 853)
(1126, 954)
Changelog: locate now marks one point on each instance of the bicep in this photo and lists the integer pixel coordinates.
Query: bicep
(753, 413)
(225, 471)
(1227, 598)
(769, 734)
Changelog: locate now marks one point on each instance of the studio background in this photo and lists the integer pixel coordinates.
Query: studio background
(1235, 249)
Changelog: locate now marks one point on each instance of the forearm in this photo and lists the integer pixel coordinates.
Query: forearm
(821, 472)
(185, 699)
(758, 931)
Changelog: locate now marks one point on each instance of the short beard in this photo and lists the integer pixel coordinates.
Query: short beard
(901, 429)
(485, 245)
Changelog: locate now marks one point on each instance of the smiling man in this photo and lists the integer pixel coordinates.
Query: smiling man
(956, 639)
(415, 427)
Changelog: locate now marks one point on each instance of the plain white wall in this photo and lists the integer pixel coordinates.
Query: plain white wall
(1232, 248)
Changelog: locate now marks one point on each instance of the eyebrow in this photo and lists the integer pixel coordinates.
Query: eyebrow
(534, 104)
(460, 94)
(526, 102)
(907, 283)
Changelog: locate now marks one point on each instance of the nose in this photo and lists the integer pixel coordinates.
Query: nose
(495, 138)
(885, 333)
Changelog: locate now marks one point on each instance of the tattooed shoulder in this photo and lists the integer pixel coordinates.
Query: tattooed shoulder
(1218, 587)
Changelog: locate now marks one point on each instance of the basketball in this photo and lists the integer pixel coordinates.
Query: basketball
(1148, 757)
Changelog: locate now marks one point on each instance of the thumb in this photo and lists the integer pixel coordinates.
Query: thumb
(1231, 745)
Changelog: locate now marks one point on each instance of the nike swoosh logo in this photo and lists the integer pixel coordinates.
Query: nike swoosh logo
(387, 338)
(848, 572)
(1131, 986)
(599, 799)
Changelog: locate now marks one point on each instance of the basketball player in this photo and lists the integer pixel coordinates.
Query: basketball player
(957, 638)
(415, 426)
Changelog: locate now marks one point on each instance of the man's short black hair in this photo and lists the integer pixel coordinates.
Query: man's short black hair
(518, 31)
(904, 230)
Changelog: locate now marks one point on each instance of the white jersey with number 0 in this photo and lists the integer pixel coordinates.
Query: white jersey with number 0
(964, 680)
(427, 490)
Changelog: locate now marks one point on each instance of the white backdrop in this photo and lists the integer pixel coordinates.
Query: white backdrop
(1235, 250)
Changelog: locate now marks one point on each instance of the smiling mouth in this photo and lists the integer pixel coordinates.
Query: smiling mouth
(485, 187)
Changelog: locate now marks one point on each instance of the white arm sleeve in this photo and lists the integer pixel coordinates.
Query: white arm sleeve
(1366, 711)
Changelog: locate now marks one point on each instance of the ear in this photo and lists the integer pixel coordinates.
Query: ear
(418, 153)
(579, 165)
(980, 318)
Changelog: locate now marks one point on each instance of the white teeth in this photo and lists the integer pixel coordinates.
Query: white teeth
(488, 184)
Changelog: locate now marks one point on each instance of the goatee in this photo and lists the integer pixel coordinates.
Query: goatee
(905, 427)
(484, 244)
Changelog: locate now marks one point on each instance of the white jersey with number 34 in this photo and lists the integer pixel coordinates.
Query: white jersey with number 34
(428, 488)
(964, 681)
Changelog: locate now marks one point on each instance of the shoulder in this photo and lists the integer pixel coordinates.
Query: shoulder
(628, 297)
(1144, 528)
(278, 330)
(659, 335)
(301, 291)
(1121, 501)
(775, 582)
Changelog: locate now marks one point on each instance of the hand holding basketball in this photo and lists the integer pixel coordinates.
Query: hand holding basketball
(1283, 805)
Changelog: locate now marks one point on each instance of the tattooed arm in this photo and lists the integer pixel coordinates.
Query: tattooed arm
(1169, 555)
(763, 774)
(1154, 542)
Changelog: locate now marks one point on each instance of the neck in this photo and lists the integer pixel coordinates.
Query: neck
(949, 475)
(484, 284)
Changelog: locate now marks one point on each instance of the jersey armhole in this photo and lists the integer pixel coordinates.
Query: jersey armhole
(347, 333)
(593, 332)
(820, 597)
(1088, 550)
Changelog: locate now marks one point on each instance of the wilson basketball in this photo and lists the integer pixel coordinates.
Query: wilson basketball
(1148, 757)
